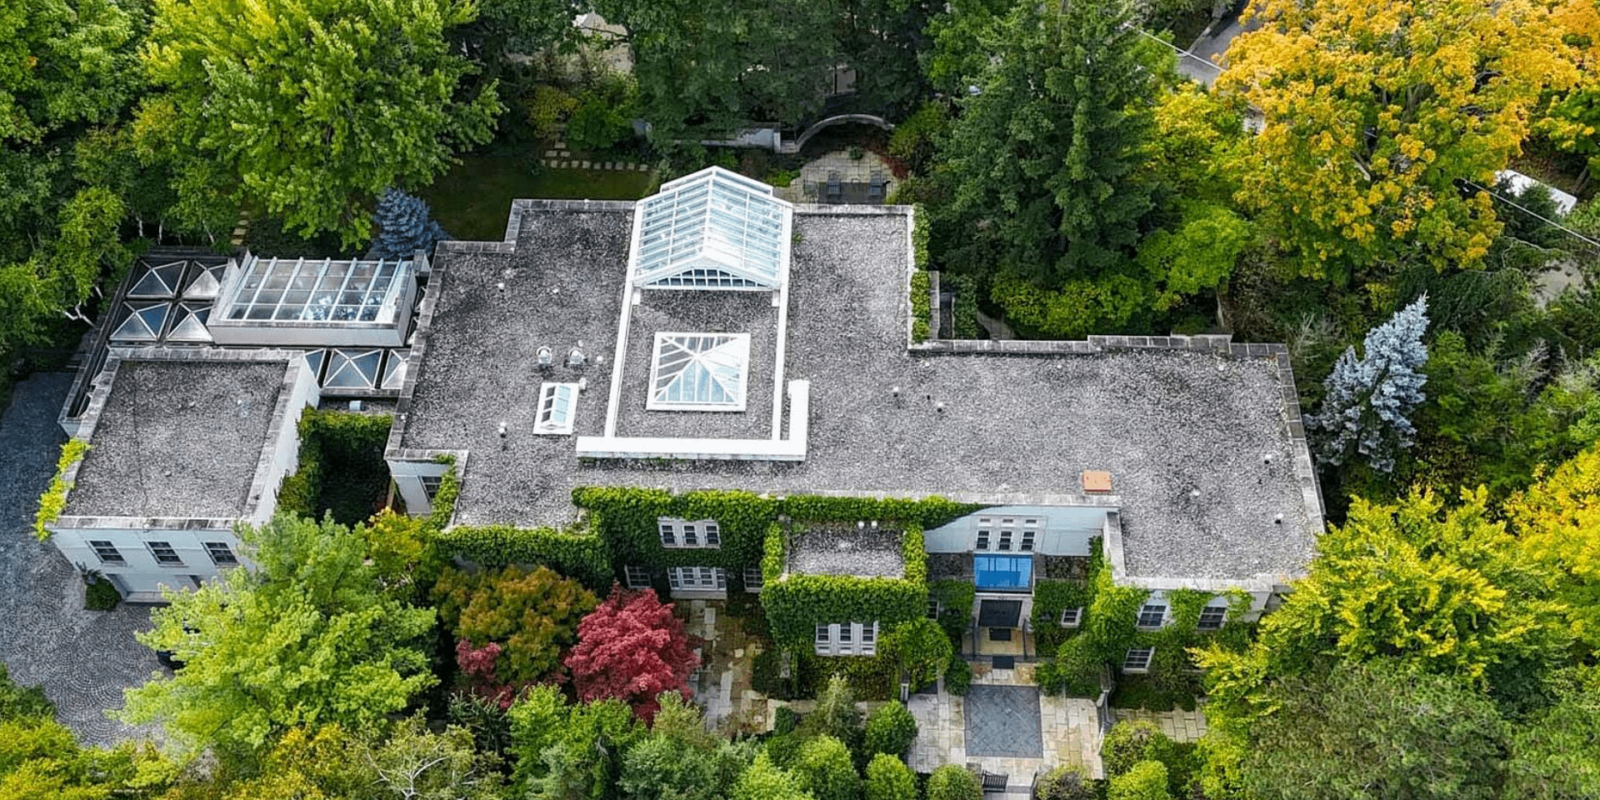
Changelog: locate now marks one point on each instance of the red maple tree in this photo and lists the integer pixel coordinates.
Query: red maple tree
(632, 648)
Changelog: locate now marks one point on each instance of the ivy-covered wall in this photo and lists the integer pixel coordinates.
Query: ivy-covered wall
(795, 604)
(341, 467)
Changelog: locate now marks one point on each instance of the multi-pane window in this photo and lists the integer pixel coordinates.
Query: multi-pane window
(221, 554)
(702, 579)
(984, 526)
(689, 533)
(933, 608)
(1212, 617)
(637, 577)
(556, 402)
(753, 580)
(1071, 617)
(1030, 530)
(1152, 615)
(1138, 659)
(1005, 538)
(108, 553)
(430, 485)
(847, 639)
(164, 554)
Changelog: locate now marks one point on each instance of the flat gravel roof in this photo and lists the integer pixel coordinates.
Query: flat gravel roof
(178, 439)
(1197, 443)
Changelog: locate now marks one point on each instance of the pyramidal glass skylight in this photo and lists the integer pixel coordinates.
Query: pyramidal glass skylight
(714, 229)
(699, 372)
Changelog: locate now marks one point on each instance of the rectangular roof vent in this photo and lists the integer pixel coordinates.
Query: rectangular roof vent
(1096, 481)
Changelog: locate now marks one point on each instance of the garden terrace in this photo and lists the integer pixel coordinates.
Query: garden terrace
(1201, 438)
(862, 552)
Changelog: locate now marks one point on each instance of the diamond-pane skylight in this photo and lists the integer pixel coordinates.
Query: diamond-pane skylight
(714, 229)
(142, 322)
(699, 371)
(191, 325)
(352, 369)
(159, 281)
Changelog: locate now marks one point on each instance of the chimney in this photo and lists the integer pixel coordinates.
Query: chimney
(1096, 482)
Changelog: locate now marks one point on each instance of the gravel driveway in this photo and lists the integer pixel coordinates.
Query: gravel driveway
(84, 659)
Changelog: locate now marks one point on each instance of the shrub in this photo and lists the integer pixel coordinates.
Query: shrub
(1066, 783)
(836, 714)
(955, 606)
(22, 702)
(891, 730)
(404, 225)
(888, 778)
(603, 115)
(547, 109)
(785, 720)
(100, 595)
(825, 769)
(1147, 780)
(953, 782)
(1129, 743)
(782, 177)
(913, 140)
(958, 676)
(921, 650)
(766, 675)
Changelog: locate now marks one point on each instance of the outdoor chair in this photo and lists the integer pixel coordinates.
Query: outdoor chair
(835, 188)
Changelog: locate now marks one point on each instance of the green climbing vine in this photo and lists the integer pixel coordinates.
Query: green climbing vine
(54, 499)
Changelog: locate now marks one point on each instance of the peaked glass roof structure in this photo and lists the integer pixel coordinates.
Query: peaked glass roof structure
(353, 369)
(325, 291)
(159, 281)
(699, 371)
(141, 322)
(714, 229)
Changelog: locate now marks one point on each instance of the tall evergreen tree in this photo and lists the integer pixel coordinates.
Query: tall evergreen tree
(404, 225)
(1369, 399)
(1045, 159)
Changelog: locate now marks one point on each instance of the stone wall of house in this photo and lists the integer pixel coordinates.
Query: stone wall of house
(947, 566)
(1062, 567)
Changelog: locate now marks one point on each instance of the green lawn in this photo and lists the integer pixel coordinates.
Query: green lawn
(472, 200)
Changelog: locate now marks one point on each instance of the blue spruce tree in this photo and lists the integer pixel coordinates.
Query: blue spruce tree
(405, 225)
(1369, 399)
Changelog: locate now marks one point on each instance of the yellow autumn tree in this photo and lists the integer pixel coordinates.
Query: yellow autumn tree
(1375, 111)
(1558, 523)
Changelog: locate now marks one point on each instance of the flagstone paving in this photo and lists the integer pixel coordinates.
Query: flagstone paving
(1178, 725)
(83, 659)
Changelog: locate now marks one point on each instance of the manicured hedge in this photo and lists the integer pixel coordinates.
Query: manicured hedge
(798, 603)
(578, 555)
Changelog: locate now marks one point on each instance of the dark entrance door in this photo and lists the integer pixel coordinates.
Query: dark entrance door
(1000, 613)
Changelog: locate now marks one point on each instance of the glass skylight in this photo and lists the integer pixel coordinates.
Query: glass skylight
(191, 325)
(352, 369)
(557, 404)
(308, 290)
(714, 229)
(142, 322)
(207, 281)
(394, 370)
(699, 372)
(158, 281)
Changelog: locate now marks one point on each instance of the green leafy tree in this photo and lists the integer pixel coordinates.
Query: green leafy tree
(891, 729)
(1441, 590)
(1043, 165)
(825, 769)
(953, 782)
(1129, 743)
(1558, 525)
(1066, 782)
(1378, 730)
(920, 648)
(1147, 780)
(308, 638)
(309, 110)
(532, 616)
(765, 781)
(568, 752)
(836, 714)
(888, 778)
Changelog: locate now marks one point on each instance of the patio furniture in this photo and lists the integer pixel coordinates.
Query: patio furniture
(875, 188)
(835, 188)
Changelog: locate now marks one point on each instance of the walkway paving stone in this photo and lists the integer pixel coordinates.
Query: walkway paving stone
(1004, 721)
(83, 659)
(1178, 725)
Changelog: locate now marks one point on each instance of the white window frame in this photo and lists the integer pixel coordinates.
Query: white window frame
(1145, 609)
(177, 560)
(1146, 655)
(1071, 617)
(754, 581)
(741, 344)
(636, 577)
(985, 534)
(214, 549)
(1221, 619)
(547, 404)
(108, 553)
(1030, 535)
(846, 639)
(675, 533)
(697, 579)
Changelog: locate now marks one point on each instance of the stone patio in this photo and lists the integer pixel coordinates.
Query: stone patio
(722, 687)
(1178, 725)
(855, 174)
(1067, 730)
(83, 659)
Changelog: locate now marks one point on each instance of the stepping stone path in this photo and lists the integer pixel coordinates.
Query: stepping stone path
(559, 157)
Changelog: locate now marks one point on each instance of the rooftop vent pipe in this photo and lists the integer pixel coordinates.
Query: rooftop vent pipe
(546, 357)
(575, 358)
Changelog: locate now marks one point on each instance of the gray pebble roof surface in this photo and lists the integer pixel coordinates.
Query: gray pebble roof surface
(178, 439)
(1184, 434)
(863, 553)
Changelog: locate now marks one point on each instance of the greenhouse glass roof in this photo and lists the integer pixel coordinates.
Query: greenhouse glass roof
(324, 291)
(699, 372)
(714, 229)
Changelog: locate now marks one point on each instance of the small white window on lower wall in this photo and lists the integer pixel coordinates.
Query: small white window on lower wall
(1071, 617)
(847, 639)
(638, 577)
(1138, 659)
(697, 579)
(1211, 618)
